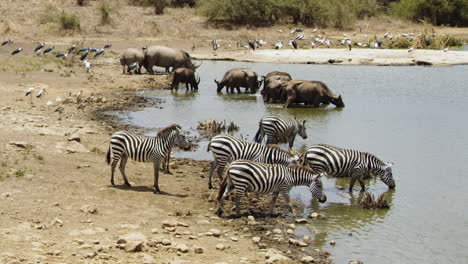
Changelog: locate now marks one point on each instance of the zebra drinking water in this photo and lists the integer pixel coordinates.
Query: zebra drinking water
(124, 145)
(277, 129)
(244, 175)
(340, 162)
(226, 149)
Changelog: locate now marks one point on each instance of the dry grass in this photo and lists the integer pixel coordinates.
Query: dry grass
(369, 202)
(215, 127)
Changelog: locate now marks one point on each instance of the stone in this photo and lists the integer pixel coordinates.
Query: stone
(307, 259)
(147, 259)
(78, 241)
(182, 248)
(57, 222)
(22, 144)
(250, 218)
(154, 231)
(74, 137)
(105, 256)
(221, 247)
(193, 237)
(166, 242)
(133, 246)
(89, 209)
(314, 215)
(134, 237)
(275, 256)
(168, 223)
(355, 262)
(198, 250)
(301, 221)
(90, 255)
(292, 226)
(290, 231)
(332, 242)
(85, 246)
(234, 238)
(277, 231)
(262, 245)
(215, 232)
(256, 240)
(182, 224)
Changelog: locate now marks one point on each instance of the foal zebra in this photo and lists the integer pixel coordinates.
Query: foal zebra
(124, 145)
(244, 175)
(340, 162)
(276, 129)
(226, 149)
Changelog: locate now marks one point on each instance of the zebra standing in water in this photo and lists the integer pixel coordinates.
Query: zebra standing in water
(124, 145)
(340, 162)
(226, 149)
(244, 175)
(277, 129)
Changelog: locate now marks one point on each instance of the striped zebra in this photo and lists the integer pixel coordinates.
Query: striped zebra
(226, 149)
(249, 176)
(124, 145)
(340, 162)
(279, 129)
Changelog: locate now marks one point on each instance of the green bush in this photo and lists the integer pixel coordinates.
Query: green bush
(401, 43)
(69, 21)
(438, 12)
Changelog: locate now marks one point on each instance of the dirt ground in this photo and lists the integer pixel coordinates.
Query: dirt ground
(56, 202)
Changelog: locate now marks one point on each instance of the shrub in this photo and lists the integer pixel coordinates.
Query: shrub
(69, 21)
(81, 2)
(105, 10)
(159, 6)
(401, 43)
(48, 14)
(438, 12)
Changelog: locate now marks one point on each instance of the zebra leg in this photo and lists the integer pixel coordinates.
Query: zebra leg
(213, 166)
(361, 182)
(273, 202)
(239, 194)
(123, 163)
(156, 176)
(113, 165)
(288, 201)
(224, 190)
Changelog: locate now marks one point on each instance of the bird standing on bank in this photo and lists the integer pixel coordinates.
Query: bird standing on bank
(99, 52)
(28, 92)
(5, 42)
(84, 55)
(49, 49)
(16, 51)
(39, 47)
(71, 49)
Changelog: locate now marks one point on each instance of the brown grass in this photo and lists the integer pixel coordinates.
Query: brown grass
(369, 202)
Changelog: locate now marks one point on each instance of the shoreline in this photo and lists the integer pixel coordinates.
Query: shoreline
(376, 57)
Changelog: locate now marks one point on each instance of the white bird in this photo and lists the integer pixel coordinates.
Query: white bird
(349, 43)
(359, 44)
(410, 49)
(78, 96)
(315, 30)
(41, 92)
(280, 30)
(292, 31)
(328, 42)
(300, 37)
(29, 91)
(355, 32)
(279, 44)
(446, 49)
(58, 100)
(386, 34)
(87, 65)
(49, 103)
(312, 44)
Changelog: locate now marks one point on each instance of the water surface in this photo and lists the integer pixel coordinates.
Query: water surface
(413, 116)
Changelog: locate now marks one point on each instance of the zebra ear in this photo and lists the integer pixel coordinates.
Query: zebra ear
(389, 164)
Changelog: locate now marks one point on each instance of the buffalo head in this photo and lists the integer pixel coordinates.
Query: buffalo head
(338, 101)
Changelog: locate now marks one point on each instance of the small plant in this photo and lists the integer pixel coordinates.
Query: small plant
(4, 163)
(69, 21)
(81, 2)
(159, 6)
(38, 157)
(401, 43)
(369, 202)
(20, 173)
(105, 10)
(213, 126)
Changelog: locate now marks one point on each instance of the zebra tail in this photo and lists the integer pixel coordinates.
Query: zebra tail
(259, 131)
(208, 147)
(222, 187)
(108, 155)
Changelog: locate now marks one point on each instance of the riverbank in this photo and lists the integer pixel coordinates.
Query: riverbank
(57, 204)
(378, 57)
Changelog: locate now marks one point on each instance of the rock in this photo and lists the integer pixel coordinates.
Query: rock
(332, 242)
(256, 240)
(297, 242)
(277, 231)
(307, 259)
(105, 256)
(129, 226)
(6, 194)
(314, 215)
(182, 224)
(274, 256)
(234, 238)
(193, 237)
(74, 137)
(134, 237)
(215, 232)
(166, 242)
(250, 218)
(90, 255)
(134, 246)
(168, 223)
(154, 231)
(182, 248)
(262, 245)
(300, 221)
(78, 241)
(290, 231)
(198, 250)
(89, 209)
(147, 259)
(221, 247)
(292, 226)
(56, 221)
(121, 241)
(22, 144)
(355, 262)
(85, 246)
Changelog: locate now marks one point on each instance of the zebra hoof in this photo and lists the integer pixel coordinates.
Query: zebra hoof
(157, 191)
(219, 212)
(128, 185)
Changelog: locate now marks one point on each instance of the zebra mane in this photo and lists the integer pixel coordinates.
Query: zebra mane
(168, 129)
(301, 167)
(280, 149)
(331, 146)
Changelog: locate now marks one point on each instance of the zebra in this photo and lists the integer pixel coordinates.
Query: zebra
(227, 148)
(245, 175)
(124, 145)
(277, 129)
(340, 162)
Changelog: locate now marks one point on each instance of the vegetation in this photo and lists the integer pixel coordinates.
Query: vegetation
(106, 11)
(369, 202)
(81, 2)
(48, 14)
(334, 13)
(69, 21)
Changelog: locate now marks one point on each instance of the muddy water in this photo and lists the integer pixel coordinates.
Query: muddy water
(415, 117)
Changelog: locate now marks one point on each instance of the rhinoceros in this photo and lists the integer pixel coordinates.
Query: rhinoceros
(167, 57)
(130, 56)
(310, 93)
(187, 76)
(239, 77)
(272, 86)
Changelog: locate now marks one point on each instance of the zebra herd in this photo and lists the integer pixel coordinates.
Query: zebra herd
(252, 166)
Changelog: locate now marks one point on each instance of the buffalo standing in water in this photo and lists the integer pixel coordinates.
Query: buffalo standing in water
(239, 77)
(310, 93)
(187, 76)
(167, 57)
